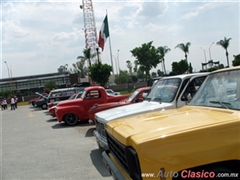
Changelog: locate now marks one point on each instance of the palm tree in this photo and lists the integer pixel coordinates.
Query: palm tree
(163, 50)
(184, 48)
(225, 43)
(87, 56)
(79, 68)
(129, 66)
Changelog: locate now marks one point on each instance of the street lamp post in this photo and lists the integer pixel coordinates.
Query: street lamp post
(210, 51)
(116, 64)
(98, 54)
(8, 76)
(118, 61)
(204, 54)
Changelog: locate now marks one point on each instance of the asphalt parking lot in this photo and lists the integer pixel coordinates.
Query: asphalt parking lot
(35, 146)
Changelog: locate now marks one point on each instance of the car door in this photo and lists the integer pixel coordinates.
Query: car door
(91, 98)
(190, 89)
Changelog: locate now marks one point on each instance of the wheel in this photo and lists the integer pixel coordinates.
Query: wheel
(71, 119)
(44, 106)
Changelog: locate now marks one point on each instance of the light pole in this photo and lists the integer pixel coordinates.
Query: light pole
(116, 64)
(118, 61)
(210, 51)
(8, 76)
(98, 54)
(204, 54)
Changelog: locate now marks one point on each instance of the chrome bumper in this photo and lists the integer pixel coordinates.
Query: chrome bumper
(101, 141)
(117, 175)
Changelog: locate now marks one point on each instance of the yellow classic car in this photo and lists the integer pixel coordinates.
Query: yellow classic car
(198, 141)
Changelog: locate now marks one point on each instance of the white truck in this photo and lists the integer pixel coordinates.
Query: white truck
(169, 92)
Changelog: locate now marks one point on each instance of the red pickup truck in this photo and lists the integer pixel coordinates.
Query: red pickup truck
(137, 96)
(77, 109)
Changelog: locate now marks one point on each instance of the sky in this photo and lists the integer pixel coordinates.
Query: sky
(37, 37)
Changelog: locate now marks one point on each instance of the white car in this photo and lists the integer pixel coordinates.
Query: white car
(168, 92)
(111, 92)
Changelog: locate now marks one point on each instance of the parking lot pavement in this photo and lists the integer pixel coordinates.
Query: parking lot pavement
(35, 146)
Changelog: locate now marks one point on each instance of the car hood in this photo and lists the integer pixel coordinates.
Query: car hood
(131, 109)
(162, 124)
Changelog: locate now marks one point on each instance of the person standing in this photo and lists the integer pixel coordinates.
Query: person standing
(5, 103)
(2, 104)
(16, 101)
(12, 103)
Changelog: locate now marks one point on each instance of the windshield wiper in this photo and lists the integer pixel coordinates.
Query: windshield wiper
(224, 104)
(158, 99)
(148, 99)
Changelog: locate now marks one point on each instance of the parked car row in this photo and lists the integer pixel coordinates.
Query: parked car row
(181, 124)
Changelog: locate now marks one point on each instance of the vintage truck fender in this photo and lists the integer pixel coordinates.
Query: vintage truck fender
(62, 111)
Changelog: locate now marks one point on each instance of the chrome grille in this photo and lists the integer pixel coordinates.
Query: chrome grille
(126, 156)
(118, 151)
(100, 128)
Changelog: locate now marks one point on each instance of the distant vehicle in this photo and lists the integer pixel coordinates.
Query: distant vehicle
(109, 84)
(43, 95)
(57, 95)
(76, 110)
(136, 97)
(52, 106)
(111, 92)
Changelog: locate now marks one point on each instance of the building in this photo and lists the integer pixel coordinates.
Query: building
(35, 83)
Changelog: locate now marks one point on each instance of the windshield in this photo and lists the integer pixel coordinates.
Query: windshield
(221, 90)
(79, 95)
(164, 90)
(130, 98)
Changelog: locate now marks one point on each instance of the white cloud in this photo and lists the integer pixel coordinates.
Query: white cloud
(44, 35)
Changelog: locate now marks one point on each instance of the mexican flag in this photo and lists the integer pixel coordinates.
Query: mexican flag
(104, 33)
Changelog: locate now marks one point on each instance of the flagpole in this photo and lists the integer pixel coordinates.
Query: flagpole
(111, 51)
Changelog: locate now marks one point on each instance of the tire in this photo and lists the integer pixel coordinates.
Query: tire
(44, 106)
(71, 119)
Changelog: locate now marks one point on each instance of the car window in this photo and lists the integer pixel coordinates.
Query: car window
(221, 90)
(164, 90)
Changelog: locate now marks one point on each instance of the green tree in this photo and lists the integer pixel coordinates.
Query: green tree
(135, 69)
(147, 56)
(154, 74)
(50, 85)
(134, 79)
(163, 50)
(6, 93)
(129, 66)
(140, 74)
(79, 68)
(100, 73)
(160, 73)
(225, 43)
(123, 77)
(184, 48)
(179, 67)
(87, 55)
(236, 61)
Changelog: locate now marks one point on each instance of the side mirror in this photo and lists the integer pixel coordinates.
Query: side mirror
(145, 95)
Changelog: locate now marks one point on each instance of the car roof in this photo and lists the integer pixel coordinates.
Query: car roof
(67, 89)
(182, 76)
